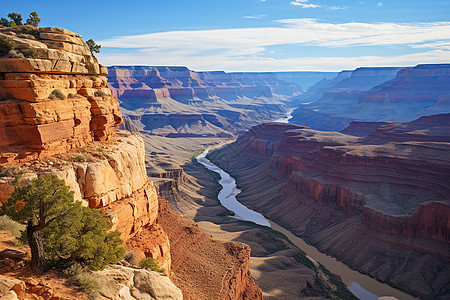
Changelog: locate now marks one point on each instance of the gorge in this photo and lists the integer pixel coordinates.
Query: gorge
(57, 117)
(277, 168)
(356, 164)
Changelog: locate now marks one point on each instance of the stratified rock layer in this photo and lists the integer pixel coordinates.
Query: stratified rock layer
(176, 101)
(48, 105)
(375, 94)
(378, 202)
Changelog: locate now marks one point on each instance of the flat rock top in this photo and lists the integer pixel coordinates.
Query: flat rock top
(58, 30)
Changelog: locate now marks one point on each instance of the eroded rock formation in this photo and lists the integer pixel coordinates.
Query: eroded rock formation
(176, 101)
(375, 94)
(55, 102)
(378, 201)
(58, 117)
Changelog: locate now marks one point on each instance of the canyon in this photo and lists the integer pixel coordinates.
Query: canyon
(374, 94)
(58, 117)
(179, 102)
(374, 196)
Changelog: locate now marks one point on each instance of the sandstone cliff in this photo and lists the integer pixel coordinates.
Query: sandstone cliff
(378, 202)
(55, 102)
(57, 116)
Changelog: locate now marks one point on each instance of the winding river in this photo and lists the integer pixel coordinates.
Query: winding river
(363, 286)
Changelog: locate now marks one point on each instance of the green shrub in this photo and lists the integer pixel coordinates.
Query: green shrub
(31, 30)
(57, 94)
(149, 263)
(4, 22)
(70, 96)
(83, 279)
(93, 47)
(33, 20)
(68, 231)
(10, 171)
(15, 18)
(33, 53)
(93, 78)
(6, 223)
(99, 94)
(6, 45)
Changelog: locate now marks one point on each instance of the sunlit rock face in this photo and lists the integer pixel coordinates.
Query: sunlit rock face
(56, 102)
(376, 195)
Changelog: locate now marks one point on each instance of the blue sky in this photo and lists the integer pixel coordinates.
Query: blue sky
(255, 35)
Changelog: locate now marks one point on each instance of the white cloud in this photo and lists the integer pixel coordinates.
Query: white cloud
(305, 5)
(379, 4)
(254, 17)
(246, 48)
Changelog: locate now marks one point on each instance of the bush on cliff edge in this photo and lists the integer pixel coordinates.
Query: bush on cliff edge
(60, 230)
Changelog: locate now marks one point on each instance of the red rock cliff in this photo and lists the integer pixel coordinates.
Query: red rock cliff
(53, 103)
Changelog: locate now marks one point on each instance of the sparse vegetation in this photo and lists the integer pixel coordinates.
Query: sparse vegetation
(6, 223)
(10, 171)
(70, 96)
(93, 46)
(32, 30)
(15, 20)
(80, 157)
(33, 53)
(99, 94)
(149, 263)
(4, 22)
(93, 78)
(33, 19)
(131, 257)
(6, 45)
(83, 279)
(60, 230)
(57, 94)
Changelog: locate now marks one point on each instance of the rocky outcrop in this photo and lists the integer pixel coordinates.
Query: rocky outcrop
(119, 282)
(10, 288)
(48, 104)
(57, 116)
(385, 192)
(376, 94)
(61, 121)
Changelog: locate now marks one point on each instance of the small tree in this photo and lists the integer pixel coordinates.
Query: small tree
(4, 22)
(93, 46)
(33, 19)
(60, 227)
(16, 18)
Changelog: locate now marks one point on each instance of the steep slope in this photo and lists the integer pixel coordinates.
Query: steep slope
(378, 202)
(176, 101)
(58, 117)
(375, 94)
(280, 269)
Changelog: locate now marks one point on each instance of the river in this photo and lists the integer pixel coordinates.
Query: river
(364, 287)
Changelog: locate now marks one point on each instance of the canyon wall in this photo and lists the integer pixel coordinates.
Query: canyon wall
(176, 101)
(375, 94)
(58, 117)
(378, 201)
(53, 103)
